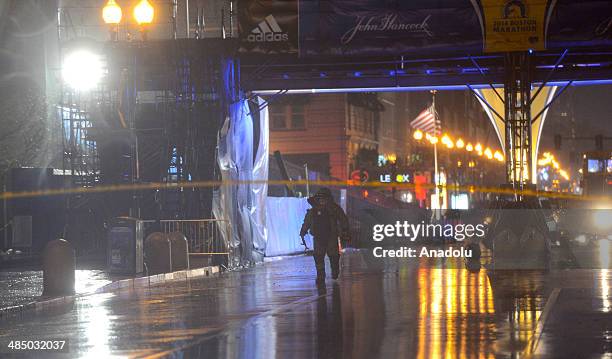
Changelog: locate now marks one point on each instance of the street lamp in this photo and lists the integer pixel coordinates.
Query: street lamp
(418, 135)
(498, 156)
(143, 14)
(445, 139)
(433, 140)
(460, 144)
(488, 153)
(469, 147)
(111, 13)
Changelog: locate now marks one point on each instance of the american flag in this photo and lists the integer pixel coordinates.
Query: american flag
(427, 122)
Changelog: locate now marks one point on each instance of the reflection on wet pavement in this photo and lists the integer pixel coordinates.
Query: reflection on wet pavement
(21, 287)
(396, 308)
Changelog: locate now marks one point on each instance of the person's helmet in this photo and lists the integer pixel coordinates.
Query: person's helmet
(324, 192)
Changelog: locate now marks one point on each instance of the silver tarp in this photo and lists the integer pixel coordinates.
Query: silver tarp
(244, 170)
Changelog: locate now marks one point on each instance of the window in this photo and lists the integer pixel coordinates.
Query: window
(277, 117)
(594, 166)
(287, 117)
(363, 120)
(297, 116)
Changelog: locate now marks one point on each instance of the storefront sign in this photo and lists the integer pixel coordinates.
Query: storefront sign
(390, 178)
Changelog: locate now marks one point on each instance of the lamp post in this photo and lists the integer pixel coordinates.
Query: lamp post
(144, 14)
(434, 141)
(111, 14)
(471, 164)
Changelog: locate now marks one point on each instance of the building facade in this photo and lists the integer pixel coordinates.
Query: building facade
(337, 133)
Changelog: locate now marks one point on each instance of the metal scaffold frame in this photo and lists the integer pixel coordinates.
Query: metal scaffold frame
(517, 103)
(80, 157)
(79, 152)
(168, 100)
(154, 118)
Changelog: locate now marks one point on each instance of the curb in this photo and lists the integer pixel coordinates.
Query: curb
(157, 279)
(131, 283)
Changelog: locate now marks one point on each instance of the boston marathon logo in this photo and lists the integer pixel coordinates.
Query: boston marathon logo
(514, 19)
(387, 22)
(267, 31)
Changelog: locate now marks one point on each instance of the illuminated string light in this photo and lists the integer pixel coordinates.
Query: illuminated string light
(418, 135)
(460, 144)
(498, 156)
(548, 159)
(445, 139)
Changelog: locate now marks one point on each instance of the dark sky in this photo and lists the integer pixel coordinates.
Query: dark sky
(593, 109)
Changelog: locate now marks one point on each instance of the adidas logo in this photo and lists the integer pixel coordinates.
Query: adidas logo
(267, 31)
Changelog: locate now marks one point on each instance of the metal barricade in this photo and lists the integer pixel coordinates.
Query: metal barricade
(204, 236)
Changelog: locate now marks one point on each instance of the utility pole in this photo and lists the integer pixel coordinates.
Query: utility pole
(436, 171)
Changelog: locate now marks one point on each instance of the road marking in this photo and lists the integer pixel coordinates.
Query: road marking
(532, 346)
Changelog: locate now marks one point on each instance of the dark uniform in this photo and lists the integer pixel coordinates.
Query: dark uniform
(326, 222)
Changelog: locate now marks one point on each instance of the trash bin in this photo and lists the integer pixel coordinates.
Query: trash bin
(125, 246)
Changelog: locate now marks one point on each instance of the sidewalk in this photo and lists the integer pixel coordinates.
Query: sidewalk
(22, 287)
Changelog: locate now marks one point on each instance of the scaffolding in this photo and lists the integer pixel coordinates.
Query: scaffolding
(517, 103)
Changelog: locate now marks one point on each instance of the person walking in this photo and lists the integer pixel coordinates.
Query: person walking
(327, 222)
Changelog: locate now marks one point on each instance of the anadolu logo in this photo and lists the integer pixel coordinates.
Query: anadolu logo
(267, 31)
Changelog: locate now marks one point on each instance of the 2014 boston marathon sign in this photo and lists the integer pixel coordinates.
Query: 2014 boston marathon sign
(514, 25)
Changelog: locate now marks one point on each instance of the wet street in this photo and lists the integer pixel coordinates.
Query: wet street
(414, 308)
(25, 286)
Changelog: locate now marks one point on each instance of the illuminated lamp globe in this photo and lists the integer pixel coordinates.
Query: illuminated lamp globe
(460, 144)
(418, 135)
(498, 156)
(445, 139)
(144, 13)
(111, 13)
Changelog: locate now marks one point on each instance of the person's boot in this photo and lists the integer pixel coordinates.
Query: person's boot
(320, 266)
(335, 266)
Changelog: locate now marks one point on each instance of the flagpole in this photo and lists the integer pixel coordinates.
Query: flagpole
(436, 172)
